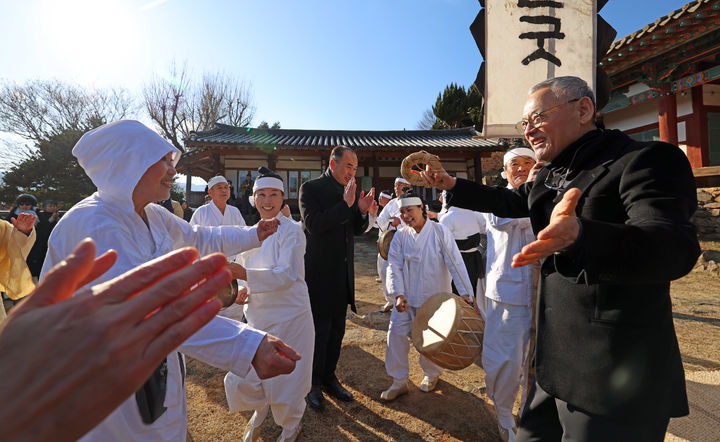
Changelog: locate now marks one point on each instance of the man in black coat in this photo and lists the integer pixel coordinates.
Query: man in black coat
(331, 216)
(612, 220)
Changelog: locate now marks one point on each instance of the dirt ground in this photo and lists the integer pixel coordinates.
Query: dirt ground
(458, 409)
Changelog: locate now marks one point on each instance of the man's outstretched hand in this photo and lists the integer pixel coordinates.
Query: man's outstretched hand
(561, 232)
(440, 180)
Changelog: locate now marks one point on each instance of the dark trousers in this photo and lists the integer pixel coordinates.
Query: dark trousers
(546, 418)
(329, 334)
(475, 266)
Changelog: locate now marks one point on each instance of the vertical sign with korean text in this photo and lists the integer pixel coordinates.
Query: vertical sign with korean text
(528, 41)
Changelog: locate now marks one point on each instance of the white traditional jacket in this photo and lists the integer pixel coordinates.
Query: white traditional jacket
(210, 215)
(506, 237)
(276, 276)
(419, 267)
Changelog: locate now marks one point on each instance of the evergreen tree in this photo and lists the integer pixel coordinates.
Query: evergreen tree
(455, 107)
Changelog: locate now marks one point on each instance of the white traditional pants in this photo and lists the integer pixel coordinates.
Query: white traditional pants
(285, 394)
(382, 266)
(505, 347)
(398, 348)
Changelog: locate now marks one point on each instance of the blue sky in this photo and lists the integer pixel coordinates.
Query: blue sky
(332, 64)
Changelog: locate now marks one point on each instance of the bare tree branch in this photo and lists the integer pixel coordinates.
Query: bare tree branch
(427, 121)
(178, 107)
(39, 109)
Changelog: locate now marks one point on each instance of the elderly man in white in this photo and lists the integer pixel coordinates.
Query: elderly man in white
(508, 300)
(217, 212)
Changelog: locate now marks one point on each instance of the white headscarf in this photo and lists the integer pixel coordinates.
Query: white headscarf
(116, 155)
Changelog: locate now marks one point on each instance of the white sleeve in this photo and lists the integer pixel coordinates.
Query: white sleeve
(505, 224)
(229, 240)
(372, 222)
(395, 282)
(285, 269)
(455, 264)
(383, 220)
(482, 225)
(225, 344)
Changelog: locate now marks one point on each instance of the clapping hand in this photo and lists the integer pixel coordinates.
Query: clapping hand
(349, 193)
(395, 221)
(373, 209)
(366, 201)
(24, 222)
(561, 232)
(266, 228)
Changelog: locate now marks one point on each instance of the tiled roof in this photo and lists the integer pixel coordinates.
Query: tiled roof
(675, 16)
(450, 139)
(694, 19)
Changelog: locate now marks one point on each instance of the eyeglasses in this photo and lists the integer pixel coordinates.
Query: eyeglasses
(538, 118)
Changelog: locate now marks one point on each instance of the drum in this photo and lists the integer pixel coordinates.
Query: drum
(384, 241)
(448, 331)
(228, 294)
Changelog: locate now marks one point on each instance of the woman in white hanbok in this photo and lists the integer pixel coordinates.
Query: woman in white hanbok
(278, 303)
(132, 166)
(423, 256)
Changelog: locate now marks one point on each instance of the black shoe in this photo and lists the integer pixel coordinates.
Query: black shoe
(335, 389)
(315, 398)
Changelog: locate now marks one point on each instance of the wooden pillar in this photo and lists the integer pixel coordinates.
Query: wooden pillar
(188, 185)
(217, 165)
(272, 161)
(667, 117)
(477, 164)
(376, 174)
(697, 132)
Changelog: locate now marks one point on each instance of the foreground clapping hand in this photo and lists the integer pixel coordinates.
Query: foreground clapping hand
(560, 234)
(61, 350)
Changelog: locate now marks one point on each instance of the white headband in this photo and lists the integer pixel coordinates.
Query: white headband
(412, 201)
(518, 152)
(215, 180)
(401, 180)
(268, 182)
(383, 194)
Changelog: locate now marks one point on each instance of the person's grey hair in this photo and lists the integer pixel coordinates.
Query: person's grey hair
(338, 152)
(566, 88)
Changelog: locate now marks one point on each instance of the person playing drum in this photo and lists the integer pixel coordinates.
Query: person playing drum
(278, 303)
(423, 256)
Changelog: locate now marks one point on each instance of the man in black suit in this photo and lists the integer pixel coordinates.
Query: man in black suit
(331, 216)
(612, 221)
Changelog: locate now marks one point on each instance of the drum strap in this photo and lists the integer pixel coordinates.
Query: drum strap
(439, 232)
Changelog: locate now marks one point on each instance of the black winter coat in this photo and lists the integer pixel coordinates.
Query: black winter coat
(330, 226)
(605, 336)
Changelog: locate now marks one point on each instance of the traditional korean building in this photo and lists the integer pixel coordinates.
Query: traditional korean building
(666, 85)
(300, 155)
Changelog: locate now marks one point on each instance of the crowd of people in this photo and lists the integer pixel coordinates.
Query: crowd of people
(585, 238)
